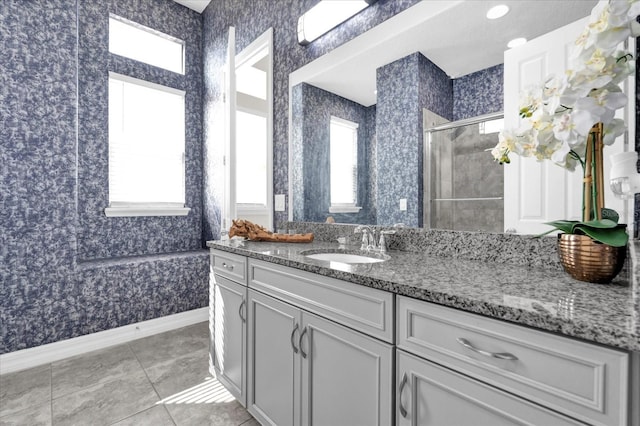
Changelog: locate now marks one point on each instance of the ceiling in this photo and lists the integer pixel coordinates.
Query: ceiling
(197, 5)
(455, 35)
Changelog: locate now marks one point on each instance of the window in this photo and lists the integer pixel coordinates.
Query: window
(344, 166)
(135, 41)
(146, 148)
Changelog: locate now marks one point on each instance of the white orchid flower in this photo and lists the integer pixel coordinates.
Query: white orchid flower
(559, 113)
(612, 130)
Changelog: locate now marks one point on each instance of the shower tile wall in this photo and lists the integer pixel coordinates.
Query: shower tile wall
(311, 141)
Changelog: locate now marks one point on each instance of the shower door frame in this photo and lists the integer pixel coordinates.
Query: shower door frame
(427, 182)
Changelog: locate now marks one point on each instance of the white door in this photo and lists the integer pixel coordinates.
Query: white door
(254, 131)
(346, 376)
(273, 361)
(429, 394)
(229, 331)
(537, 192)
(229, 211)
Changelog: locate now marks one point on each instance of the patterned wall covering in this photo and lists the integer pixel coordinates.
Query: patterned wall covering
(479, 93)
(250, 19)
(405, 88)
(314, 116)
(53, 183)
(100, 236)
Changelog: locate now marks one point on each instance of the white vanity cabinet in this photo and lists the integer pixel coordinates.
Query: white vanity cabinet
(429, 394)
(307, 369)
(228, 299)
(474, 367)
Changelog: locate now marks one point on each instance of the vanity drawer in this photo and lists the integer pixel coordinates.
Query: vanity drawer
(582, 380)
(362, 308)
(229, 265)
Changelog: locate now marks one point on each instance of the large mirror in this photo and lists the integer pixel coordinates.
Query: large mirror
(360, 146)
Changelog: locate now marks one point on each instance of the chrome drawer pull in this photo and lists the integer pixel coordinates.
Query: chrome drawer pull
(403, 411)
(302, 352)
(293, 345)
(225, 266)
(502, 355)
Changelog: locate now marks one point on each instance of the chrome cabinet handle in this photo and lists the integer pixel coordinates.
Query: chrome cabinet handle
(302, 352)
(240, 311)
(293, 345)
(500, 355)
(403, 382)
(225, 266)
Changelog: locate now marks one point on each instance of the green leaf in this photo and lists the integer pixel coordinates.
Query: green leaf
(616, 237)
(601, 224)
(561, 225)
(610, 214)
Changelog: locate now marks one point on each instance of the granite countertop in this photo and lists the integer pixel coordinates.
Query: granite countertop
(544, 299)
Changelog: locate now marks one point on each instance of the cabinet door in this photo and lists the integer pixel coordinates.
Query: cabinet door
(273, 361)
(229, 336)
(346, 376)
(429, 394)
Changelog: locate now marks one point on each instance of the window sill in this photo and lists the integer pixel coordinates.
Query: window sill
(344, 209)
(130, 211)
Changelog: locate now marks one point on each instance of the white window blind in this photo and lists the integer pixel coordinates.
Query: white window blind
(146, 144)
(135, 41)
(344, 165)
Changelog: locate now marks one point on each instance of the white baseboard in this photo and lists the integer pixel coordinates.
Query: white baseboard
(33, 357)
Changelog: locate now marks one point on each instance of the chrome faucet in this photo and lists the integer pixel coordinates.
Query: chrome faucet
(369, 239)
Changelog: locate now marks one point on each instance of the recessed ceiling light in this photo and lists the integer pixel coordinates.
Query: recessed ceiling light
(516, 42)
(497, 11)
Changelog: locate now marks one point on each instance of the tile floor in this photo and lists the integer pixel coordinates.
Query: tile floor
(158, 380)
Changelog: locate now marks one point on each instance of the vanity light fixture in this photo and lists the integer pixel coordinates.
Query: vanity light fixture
(497, 11)
(624, 178)
(516, 42)
(326, 15)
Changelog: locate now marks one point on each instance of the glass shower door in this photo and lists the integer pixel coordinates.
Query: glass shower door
(463, 185)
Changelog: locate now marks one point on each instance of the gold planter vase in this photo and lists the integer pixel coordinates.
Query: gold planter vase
(588, 260)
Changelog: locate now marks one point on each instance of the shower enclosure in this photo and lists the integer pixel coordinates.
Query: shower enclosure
(463, 186)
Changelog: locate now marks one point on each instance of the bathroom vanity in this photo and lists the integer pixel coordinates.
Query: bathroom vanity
(418, 340)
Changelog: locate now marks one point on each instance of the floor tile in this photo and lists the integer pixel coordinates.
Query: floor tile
(39, 415)
(172, 344)
(73, 374)
(154, 416)
(24, 389)
(105, 403)
(223, 414)
(174, 375)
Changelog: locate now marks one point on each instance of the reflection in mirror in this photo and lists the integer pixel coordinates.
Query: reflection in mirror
(443, 58)
(463, 189)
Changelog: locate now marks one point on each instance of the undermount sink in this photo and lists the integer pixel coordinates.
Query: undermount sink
(344, 257)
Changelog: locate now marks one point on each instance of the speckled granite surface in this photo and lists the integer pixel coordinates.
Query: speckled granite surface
(524, 250)
(546, 299)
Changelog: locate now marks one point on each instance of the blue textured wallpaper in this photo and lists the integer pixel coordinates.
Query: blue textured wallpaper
(100, 236)
(53, 70)
(313, 117)
(405, 88)
(479, 93)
